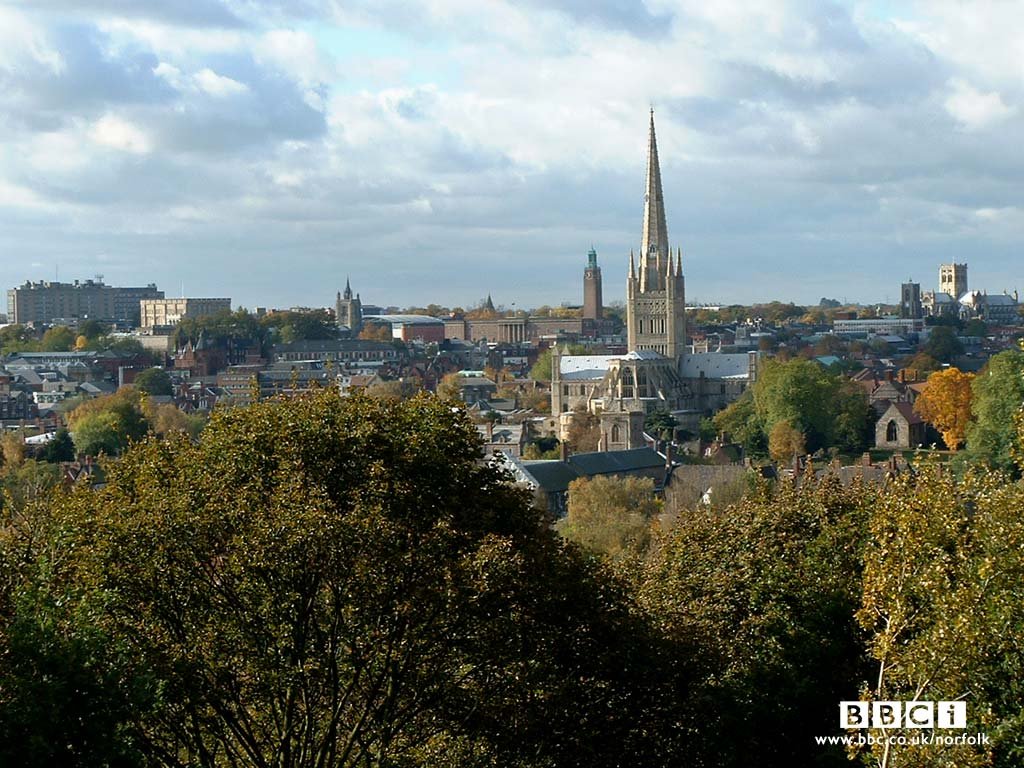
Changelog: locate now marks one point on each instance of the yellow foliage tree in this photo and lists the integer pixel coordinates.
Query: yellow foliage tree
(946, 403)
(785, 442)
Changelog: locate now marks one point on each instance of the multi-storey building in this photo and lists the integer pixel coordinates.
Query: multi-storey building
(44, 302)
(167, 312)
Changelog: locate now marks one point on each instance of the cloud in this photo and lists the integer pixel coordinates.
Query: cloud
(218, 85)
(972, 108)
(201, 13)
(111, 131)
(267, 147)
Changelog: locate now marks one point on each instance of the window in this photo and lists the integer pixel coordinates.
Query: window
(615, 433)
(892, 433)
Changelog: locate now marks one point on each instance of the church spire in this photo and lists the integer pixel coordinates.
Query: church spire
(654, 244)
(348, 289)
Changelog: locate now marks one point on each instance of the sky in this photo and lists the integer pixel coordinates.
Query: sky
(444, 150)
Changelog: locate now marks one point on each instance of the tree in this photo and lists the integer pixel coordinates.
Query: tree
(60, 448)
(376, 332)
(154, 381)
(997, 394)
(765, 590)
(661, 423)
(584, 431)
(60, 338)
(801, 393)
(17, 338)
(449, 388)
(108, 424)
(541, 370)
(943, 344)
(327, 580)
(611, 515)
(946, 403)
(739, 421)
(786, 442)
(942, 578)
(12, 449)
(923, 364)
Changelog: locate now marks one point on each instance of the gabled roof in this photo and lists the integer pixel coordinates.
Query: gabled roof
(611, 462)
(551, 476)
(906, 410)
(584, 367)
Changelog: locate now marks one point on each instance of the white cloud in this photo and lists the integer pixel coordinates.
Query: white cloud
(20, 39)
(974, 109)
(218, 85)
(116, 133)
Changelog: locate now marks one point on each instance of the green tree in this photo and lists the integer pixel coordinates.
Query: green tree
(60, 338)
(108, 424)
(996, 396)
(943, 344)
(765, 590)
(154, 381)
(328, 581)
(541, 370)
(17, 338)
(661, 423)
(60, 448)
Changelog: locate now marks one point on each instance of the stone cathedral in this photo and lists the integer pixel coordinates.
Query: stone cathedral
(658, 373)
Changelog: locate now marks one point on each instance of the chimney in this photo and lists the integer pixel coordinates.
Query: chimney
(668, 455)
(865, 459)
(490, 431)
(563, 451)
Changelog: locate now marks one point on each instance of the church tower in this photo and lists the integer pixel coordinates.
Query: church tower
(655, 298)
(592, 307)
(348, 310)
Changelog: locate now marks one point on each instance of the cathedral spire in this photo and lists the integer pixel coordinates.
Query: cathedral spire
(348, 289)
(654, 244)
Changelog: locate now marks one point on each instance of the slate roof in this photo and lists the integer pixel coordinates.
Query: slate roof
(552, 475)
(716, 365)
(611, 462)
(584, 367)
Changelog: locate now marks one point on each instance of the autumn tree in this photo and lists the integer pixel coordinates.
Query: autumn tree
(584, 431)
(944, 570)
(611, 515)
(786, 442)
(376, 332)
(946, 403)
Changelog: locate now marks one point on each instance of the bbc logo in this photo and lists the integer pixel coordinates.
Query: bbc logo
(903, 714)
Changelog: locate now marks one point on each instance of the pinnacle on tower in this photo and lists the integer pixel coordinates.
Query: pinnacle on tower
(679, 262)
(348, 288)
(632, 265)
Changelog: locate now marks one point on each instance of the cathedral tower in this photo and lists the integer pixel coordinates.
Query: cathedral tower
(348, 310)
(655, 299)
